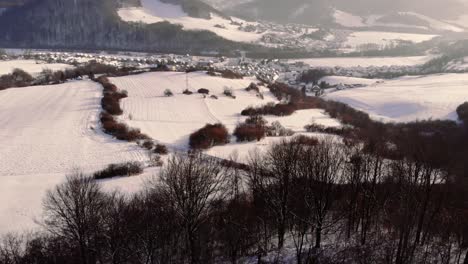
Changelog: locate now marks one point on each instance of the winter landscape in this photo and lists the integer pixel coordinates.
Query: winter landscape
(241, 131)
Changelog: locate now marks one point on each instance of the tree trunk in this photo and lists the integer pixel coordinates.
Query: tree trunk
(318, 236)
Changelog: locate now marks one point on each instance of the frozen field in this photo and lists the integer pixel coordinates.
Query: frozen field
(335, 80)
(30, 66)
(171, 120)
(365, 61)
(383, 38)
(154, 11)
(45, 133)
(409, 98)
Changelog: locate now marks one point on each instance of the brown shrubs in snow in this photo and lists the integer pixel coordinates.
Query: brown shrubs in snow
(209, 136)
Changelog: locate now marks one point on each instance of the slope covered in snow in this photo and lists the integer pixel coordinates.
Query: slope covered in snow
(409, 98)
(348, 20)
(380, 38)
(45, 133)
(154, 11)
(364, 61)
(30, 66)
(171, 120)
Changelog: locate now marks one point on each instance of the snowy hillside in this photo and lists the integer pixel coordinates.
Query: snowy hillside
(398, 20)
(154, 11)
(45, 133)
(171, 120)
(409, 98)
(379, 38)
(30, 66)
(364, 61)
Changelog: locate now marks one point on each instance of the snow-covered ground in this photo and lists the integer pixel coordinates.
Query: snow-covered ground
(154, 11)
(347, 19)
(336, 80)
(409, 98)
(351, 21)
(365, 61)
(171, 120)
(31, 66)
(242, 152)
(45, 133)
(359, 38)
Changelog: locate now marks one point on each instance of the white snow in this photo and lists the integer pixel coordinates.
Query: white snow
(364, 61)
(434, 23)
(347, 19)
(461, 21)
(384, 38)
(45, 133)
(171, 120)
(30, 66)
(154, 11)
(241, 152)
(409, 98)
(335, 80)
(301, 118)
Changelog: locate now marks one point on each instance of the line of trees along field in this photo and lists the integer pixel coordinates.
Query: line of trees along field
(335, 202)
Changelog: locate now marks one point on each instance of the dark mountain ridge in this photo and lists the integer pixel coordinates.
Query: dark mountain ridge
(91, 24)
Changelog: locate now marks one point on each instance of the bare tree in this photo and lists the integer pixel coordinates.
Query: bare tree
(73, 212)
(321, 168)
(190, 183)
(270, 178)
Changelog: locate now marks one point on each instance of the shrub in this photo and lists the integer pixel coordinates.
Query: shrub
(211, 73)
(110, 103)
(270, 109)
(160, 149)
(229, 93)
(203, 91)
(252, 87)
(249, 132)
(187, 92)
(305, 140)
(119, 130)
(214, 97)
(148, 144)
(228, 74)
(168, 93)
(209, 136)
(124, 169)
(315, 128)
(256, 120)
(312, 128)
(277, 130)
(462, 112)
(155, 160)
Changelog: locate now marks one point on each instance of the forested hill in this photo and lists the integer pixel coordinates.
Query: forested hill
(92, 24)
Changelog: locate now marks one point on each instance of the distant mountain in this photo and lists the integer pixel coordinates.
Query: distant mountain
(95, 24)
(426, 15)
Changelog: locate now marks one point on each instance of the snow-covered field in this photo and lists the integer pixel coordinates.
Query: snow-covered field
(336, 80)
(171, 120)
(409, 98)
(383, 38)
(154, 11)
(31, 66)
(365, 61)
(45, 133)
